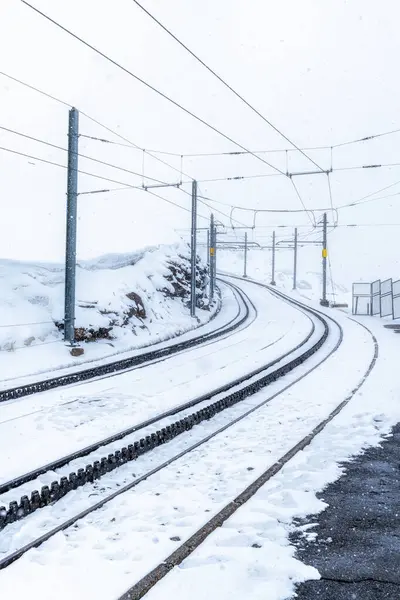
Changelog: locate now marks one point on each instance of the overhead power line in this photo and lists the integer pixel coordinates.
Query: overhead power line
(224, 82)
(126, 185)
(55, 164)
(149, 86)
(102, 162)
(357, 203)
(242, 152)
(96, 121)
(387, 187)
(193, 155)
(367, 138)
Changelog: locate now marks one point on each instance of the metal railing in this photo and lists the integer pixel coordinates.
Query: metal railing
(377, 298)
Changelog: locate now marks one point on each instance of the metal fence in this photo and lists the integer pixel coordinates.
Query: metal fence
(377, 298)
(362, 298)
(386, 298)
(396, 299)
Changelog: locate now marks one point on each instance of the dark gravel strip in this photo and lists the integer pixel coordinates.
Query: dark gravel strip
(357, 549)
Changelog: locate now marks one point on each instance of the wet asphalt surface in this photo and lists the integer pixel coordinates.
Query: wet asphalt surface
(357, 548)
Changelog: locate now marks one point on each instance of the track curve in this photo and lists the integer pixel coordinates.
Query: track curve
(121, 365)
(248, 385)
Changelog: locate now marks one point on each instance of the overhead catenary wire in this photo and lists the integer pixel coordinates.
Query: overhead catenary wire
(26, 324)
(133, 145)
(357, 203)
(148, 150)
(302, 202)
(387, 187)
(90, 118)
(169, 32)
(55, 164)
(148, 85)
(331, 197)
(265, 151)
(91, 158)
(126, 185)
(331, 276)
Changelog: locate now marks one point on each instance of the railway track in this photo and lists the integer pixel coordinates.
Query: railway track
(208, 406)
(139, 360)
(176, 558)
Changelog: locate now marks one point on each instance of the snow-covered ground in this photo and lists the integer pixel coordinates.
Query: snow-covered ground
(58, 422)
(331, 95)
(129, 295)
(112, 548)
(250, 555)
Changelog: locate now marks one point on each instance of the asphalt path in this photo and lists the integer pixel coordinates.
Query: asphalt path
(357, 548)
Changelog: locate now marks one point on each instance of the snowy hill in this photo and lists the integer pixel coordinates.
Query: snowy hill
(123, 301)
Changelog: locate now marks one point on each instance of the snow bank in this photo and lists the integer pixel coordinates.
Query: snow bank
(309, 272)
(124, 301)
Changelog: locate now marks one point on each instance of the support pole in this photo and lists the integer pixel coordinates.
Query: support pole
(295, 260)
(324, 301)
(245, 255)
(193, 256)
(212, 249)
(215, 256)
(273, 282)
(208, 246)
(70, 254)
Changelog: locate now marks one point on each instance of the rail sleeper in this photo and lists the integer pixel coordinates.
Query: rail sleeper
(92, 472)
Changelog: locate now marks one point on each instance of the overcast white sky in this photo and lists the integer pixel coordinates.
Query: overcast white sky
(322, 71)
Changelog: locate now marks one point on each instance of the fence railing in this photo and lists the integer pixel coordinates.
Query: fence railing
(377, 298)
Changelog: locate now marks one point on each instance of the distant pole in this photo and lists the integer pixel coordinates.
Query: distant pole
(245, 255)
(214, 255)
(193, 251)
(211, 258)
(324, 301)
(70, 254)
(273, 282)
(295, 260)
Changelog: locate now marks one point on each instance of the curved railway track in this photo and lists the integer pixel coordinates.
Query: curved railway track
(228, 396)
(141, 587)
(133, 362)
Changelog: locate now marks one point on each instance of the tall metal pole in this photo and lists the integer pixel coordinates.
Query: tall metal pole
(245, 255)
(193, 253)
(70, 254)
(208, 246)
(273, 282)
(295, 260)
(212, 257)
(324, 301)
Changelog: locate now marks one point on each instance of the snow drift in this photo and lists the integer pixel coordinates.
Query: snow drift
(122, 301)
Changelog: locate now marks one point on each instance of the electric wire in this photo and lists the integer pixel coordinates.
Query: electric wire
(26, 324)
(387, 187)
(90, 118)
(302, 202)
(331, 276)
(91, 158)
(269, 151)
(331, 197)
(224, 82)
(148, 85)
(126, 185)
(50, 162)
(355, 204)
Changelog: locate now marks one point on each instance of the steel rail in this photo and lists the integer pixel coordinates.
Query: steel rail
(172, 431)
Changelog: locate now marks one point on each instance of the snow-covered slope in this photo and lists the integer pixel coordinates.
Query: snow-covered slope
(123, 301)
